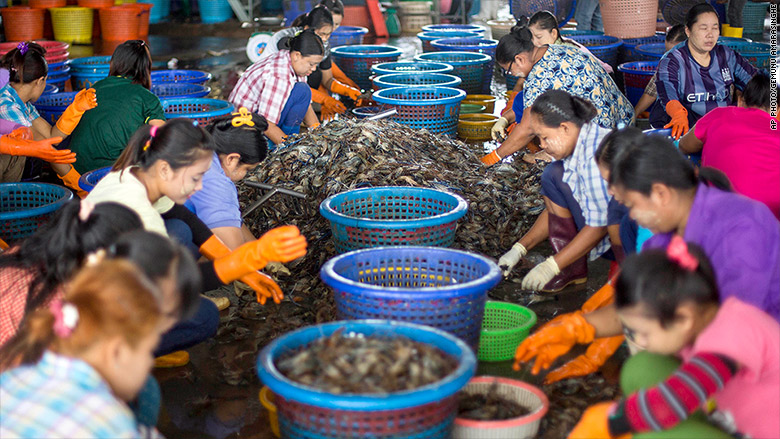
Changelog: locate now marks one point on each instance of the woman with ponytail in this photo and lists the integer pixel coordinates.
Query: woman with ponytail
(554, 67)
(276, 88)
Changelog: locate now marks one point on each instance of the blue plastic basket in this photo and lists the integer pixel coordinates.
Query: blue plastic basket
(604, 47)
(416, 80)
(91, 64)
(628, 53)
(694, 158)
(572, 32)
(387, 68)
(356, 61)
(347, 36)
(431, 286)
(424, 413)
(563, 10)
(52, 106)
(454, 28)
(479, 45)
(24, 207)
(81, 80)
(364, 112)
(511, 81)
(180, 90)
(753, 17)
(636, 75)
(652, 51)
(214, 11)
(50, 89)
(392, 215)
(757, 54)
(89, 180)
(58, 81)
(189, 76)
(58, 66)
(203, 110)
(433, 108)
(160, 10)
(475, 69)
(427, 37)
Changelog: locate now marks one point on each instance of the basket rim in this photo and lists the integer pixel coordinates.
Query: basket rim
(616, 42)
(66, 195)
(522, 420)
(658, 131)
(378, 96)
(519, 308)
(352, 51)
(339, 282)
(448, 80)
(477, 117)
(482, 43)
(349, 221)
(86, 185)
(91, 62)
(377, 69)
(648, 49)
(476, 58)
(350, 30)
(216, 102)
(427, 35)
(454, 27)
(434, 392)
(195, 74)
(633, 66)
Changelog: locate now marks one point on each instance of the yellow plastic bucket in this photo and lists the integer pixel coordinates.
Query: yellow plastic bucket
(267, 400)
(72, 24)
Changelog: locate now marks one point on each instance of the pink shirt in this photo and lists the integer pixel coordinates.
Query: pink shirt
(741, 143)
(750, 401)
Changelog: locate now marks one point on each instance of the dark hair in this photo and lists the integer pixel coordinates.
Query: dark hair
(616, 143)
(336, 7)
(661, 285)
(154, 254)
(517, 41)
(24, 69)
(248, 142)
(133, 60)
(317, 18)
(61, 245)
(558, 106)
(306, 43)
(180, 142)
(757, 92)
(693, 14)
(545, 20)
(655, 159)
(676, 33)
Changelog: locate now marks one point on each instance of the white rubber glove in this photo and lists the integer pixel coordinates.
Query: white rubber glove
(538, 277)
(499, 128)
(511, 258)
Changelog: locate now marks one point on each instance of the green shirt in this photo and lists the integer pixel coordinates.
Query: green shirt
(104, 131)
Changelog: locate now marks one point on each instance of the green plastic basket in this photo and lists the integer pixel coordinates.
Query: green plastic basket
(504, 327)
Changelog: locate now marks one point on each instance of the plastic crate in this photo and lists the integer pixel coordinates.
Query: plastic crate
(347, 36)
(433, 108)
(603, 47)
(504, 327)
(628, 53)
(356, 61)
(652, 51)
(636, 75)
(91, 64)
(455, 28)
(392, 215)
(180, 90)
(431, 286)
(52, 106)
(24, 207)
(307, 413)
(388, 68)
(416, 80)
(475, 69)
(89, 180)
(81, 80)
(427, 37)
(562, 9)
(189, 76)
(476, 127)
(479, 45)
(202, 110)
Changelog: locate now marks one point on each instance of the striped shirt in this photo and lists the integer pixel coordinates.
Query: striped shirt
(61, 397)
(581, 173)
(12, 108)
(14, 288)
(266, 85)
(699, 89)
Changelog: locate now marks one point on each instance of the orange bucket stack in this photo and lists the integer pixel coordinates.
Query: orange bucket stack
(119, 23)
(22, 23)
(143, 18)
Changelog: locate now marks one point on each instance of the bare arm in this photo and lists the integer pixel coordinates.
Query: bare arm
(275, 133)
(644, 103)
(311, 119)
(233, 237)
(605, 321)
(689, 143)
(537, 233)
(327, 78)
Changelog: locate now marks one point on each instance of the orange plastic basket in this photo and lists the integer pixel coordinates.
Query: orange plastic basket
(629, 18)
(22, 23)
(119, 23)
(143, 19)
(96, 4)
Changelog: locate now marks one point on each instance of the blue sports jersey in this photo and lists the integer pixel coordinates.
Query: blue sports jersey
(699, 89)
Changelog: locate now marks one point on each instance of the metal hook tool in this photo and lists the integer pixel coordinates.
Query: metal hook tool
(272, 190)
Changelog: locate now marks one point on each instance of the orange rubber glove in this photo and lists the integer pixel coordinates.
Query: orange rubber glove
(341, 77)
(594, 357)
(510, 102)
(679, 115)
(345, 90)
(20, 142)
(282, 244)
(594, 423)
(330, 106)
(553, 340)
(491, 159)
(71, 180)
(83, 101)
(604, 296)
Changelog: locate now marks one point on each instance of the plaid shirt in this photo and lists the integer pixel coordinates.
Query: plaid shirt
(266, 85)
(14, 286)
(581, 173)
(12, 108)
(61, 397)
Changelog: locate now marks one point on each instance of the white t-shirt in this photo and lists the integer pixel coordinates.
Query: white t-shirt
(128, 191)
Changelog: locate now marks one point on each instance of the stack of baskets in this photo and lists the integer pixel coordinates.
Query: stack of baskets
(475, 69)
(388, 68)
(85, 72)
(356, 61)
(200, 110)
(758, 54)
(455, 28)
(479, 45)
(426, 38)
(347, 36)
(604, 47)
(171, 90)
(56, 56)
(52, 106)
(636, 75)
(433, 108)
(628, 53)
(416, 80)
(651, 51)
(160, 77)
(415, 15)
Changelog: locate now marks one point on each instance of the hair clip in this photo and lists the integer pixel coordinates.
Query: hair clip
(152, 133)
(85, 210)
(23, 46)
(677, 252)
(66, 317)
(243, 117)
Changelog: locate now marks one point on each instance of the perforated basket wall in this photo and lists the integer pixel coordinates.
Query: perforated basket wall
(395, 216)
(52, 106)
(629, 18)
(475, 69)
(24, 207)
(479, 45)
(652, 51)
(636, 75)
(604, 47)
(753, 16)
(191, 76)
(81, 80)
(562, 9)
(347, 36)
(627, 51)
(356, 61)
(416, 80)
(475, 127)
(504, 327)
(180, 90)
(433, 108)
(202, 110)
(415, 23)
(427, 37)
(437, 287)
(387, 68)
(757, 54)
